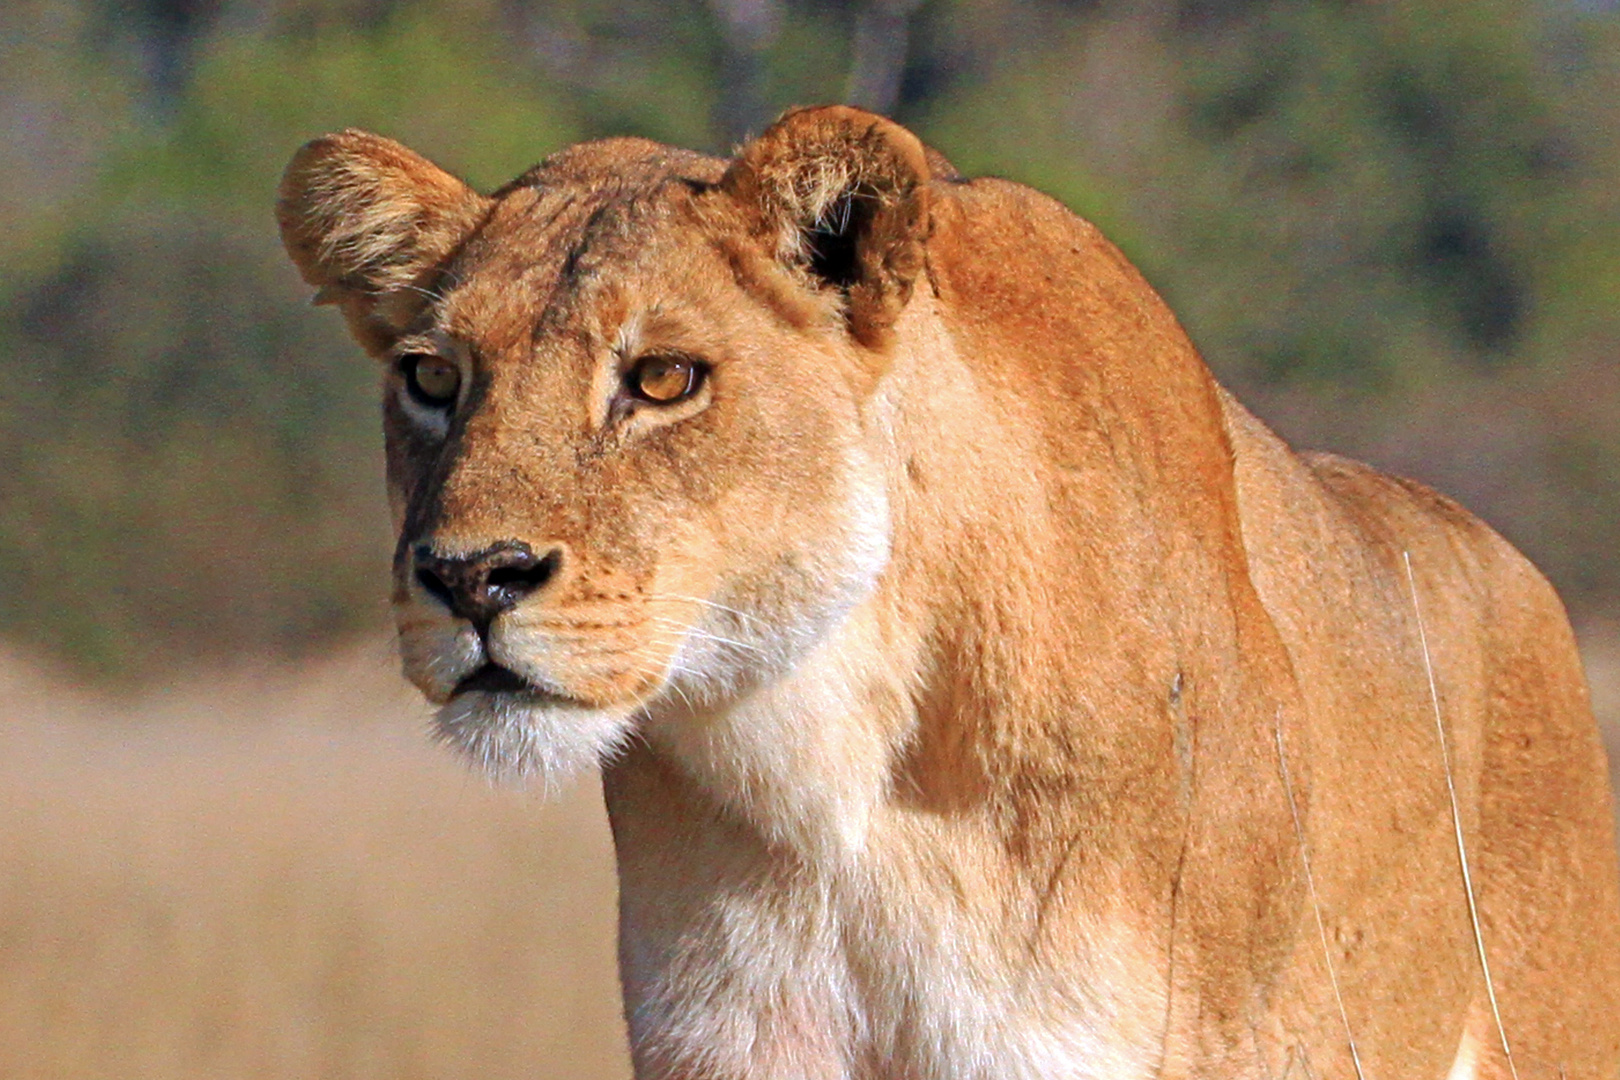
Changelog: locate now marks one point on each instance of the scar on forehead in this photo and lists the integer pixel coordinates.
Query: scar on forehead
(587, 235)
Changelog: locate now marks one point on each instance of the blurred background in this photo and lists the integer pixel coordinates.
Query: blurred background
(226, 849)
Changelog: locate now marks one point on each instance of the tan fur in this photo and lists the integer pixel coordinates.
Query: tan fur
(938, 653)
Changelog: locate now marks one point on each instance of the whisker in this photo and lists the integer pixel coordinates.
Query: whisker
(653, 674)
(708, 603)
(704, 635)
(665, 675)
(675, 686)
(431, 294)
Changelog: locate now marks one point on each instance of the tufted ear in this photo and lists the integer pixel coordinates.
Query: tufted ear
(840, 195)
(368, 223)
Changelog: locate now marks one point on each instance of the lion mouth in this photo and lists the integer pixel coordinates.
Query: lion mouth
(492, 678)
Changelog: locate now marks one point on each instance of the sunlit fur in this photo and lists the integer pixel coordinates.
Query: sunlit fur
(940, 652)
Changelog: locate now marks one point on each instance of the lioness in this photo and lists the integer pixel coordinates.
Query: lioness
(979, 690)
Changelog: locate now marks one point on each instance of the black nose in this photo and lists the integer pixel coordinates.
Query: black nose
(480, 586)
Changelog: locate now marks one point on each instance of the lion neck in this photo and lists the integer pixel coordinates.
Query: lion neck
(980, 681)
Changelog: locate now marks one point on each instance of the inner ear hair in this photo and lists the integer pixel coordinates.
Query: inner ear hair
(841, 195)
(829, 242)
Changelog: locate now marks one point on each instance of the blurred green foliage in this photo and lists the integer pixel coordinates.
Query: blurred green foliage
(1393, 227)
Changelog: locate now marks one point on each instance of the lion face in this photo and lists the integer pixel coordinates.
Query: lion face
(638, 490)
(628, 454)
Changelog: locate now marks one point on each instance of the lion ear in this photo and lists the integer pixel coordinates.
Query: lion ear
(368, 222)
(841, 195)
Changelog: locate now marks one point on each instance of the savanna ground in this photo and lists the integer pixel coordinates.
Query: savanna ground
(275, 874)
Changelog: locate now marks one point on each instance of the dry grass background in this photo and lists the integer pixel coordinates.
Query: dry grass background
(274, 874)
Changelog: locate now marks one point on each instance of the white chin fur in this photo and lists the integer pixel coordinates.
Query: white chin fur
(517, 738)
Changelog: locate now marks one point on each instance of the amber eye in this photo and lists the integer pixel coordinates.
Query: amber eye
(664, 379)
(432, 380)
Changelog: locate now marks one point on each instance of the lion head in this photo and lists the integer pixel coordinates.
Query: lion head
(625, 400)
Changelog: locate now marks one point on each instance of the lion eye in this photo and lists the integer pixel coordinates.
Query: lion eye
(664, 379)
(431, 380)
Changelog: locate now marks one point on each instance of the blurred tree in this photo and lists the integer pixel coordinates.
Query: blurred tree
(748, 29)
(168, 31)
(878, 54)
(1374, 218)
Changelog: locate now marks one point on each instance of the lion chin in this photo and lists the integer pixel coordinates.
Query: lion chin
(527, 736)
(503, 712)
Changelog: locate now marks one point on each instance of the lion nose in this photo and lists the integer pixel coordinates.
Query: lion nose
(480, 586)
